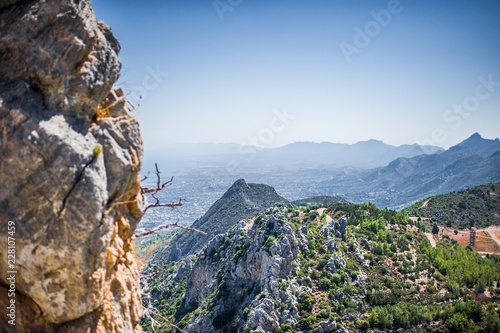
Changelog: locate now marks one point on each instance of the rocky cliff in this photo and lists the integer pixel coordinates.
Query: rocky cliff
(70, 154)
(246, 280)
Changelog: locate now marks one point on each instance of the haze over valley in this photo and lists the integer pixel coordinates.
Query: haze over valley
(370, 171)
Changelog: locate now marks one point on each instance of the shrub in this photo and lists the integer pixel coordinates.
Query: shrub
(438, 276)
(323, 261)
(324, 314)
(336, 278)
(324, 284)
(307, 323)
(362, 325)
(184, 322)
(246, 311)
(306, 303)
(237, 255)
(270, 240)
(284, 328)
(431, 289)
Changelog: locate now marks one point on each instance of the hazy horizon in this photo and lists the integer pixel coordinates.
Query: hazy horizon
(322, 142)
(402, 72)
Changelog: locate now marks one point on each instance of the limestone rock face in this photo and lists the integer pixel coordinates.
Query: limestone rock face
(70, 154)
(247, 278)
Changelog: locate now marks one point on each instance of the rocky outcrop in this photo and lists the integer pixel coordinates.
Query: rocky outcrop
(335, 228)
(70, 152)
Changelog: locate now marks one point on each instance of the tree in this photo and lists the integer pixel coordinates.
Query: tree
(462, 204)
(435, 229)
(491, 322)
(401, 317)
(381, 318)
(363, 325)
(480, 287)
(457, 323)
(324, 283)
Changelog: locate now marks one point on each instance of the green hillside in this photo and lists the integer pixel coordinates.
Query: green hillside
(478, 206)
(377, 271)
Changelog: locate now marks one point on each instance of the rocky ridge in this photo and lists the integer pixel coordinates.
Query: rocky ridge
(71, 151)
(337, 268)
(243, 278)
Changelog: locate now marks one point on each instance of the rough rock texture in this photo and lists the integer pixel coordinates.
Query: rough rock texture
(70, 154)
(255, 272)
(336, 228)
(250, 267)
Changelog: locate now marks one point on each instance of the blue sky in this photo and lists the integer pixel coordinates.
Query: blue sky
(283, 71)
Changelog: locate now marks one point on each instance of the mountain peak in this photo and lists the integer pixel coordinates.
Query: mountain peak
(473, 141)
(239, 182)
(238, 186)
(242, 199)
(371, 141)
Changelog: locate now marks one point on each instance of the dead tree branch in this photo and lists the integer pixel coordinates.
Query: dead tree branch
(160, 186)
(164, 226)
(149, 310)
(153, 191)
(159, 204)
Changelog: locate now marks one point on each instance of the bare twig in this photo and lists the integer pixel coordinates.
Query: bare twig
(158, 204)
(168, 321)
(164, 226)
(159, 185)
(149, 310)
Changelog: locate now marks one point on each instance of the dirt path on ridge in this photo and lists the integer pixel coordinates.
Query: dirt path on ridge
(425, 203)
(431, 239)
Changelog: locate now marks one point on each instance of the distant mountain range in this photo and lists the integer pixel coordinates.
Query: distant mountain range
(472, 162)
(363, 154)
(368, 171)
